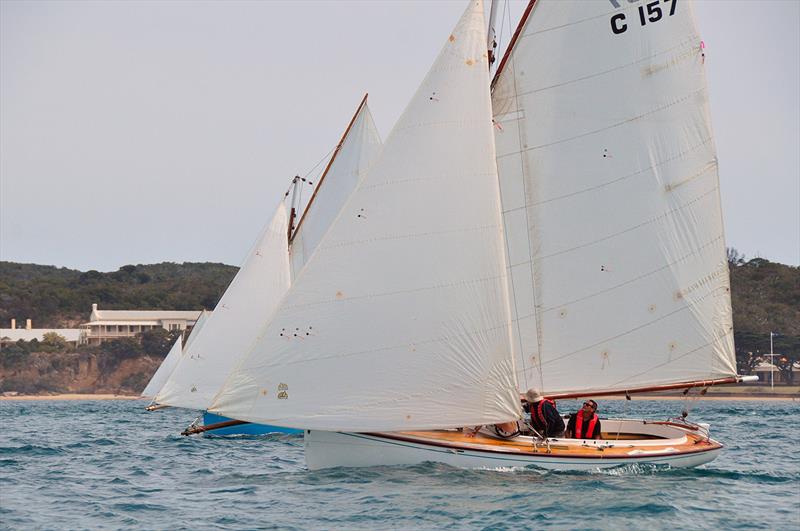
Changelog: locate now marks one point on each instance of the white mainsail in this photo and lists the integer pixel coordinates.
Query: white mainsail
(611, 199)
(354, 155)
(249, 301)
(400, 318)
(164, 370)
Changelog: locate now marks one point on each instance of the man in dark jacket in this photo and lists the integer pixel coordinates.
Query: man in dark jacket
(585, 424)
(544, 415)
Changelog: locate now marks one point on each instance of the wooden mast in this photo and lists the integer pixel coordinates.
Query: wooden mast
(328, 167)
(514, 38)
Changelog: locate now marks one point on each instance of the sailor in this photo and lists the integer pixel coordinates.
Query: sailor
(544, 415)
(585, 424)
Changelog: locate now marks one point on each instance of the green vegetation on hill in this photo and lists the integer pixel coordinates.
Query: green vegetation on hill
(765, 298)
(765, 295)
(59, 297)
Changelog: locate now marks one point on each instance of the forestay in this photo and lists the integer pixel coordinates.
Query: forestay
(400, 318)
(164, 370)
(611, 199)
(248, 302)
(358, 148)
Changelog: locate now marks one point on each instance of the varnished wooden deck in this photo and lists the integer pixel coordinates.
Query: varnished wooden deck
(608, 447)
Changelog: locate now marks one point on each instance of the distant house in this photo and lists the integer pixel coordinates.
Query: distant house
(114, 324)
(765, 368)
(12, 335)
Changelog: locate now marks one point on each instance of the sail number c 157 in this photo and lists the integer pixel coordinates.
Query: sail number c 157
(648, 13)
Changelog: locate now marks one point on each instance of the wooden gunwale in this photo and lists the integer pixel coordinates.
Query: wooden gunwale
(694, 445)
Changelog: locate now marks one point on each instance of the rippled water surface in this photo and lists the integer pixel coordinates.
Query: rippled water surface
(77, 465)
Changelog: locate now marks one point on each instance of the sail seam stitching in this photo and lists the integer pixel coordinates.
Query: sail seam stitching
(658, 164)
(406, 236)
(615, 125)
(665, 267)
(635, 227)
(632, 330)
(424, 179)
(440, 339)
(691, 51)
(399, 292)
(612, 288)
(689, 353)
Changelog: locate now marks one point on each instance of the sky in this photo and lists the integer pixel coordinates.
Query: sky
(143, 132)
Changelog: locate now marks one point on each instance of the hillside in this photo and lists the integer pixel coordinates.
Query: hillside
(765, 295)
(62, 298)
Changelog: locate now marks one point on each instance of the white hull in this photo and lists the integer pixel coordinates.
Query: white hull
(334, 449)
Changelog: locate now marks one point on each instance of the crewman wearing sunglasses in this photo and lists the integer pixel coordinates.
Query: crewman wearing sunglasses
(585, 424)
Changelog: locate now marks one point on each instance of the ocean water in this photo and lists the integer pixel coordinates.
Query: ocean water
(111, 465)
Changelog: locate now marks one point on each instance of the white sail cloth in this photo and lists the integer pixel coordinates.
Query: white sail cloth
(198, 325)
(164, 370)
(359, 148)
(248, 302)
(611, 199)
(400, 318)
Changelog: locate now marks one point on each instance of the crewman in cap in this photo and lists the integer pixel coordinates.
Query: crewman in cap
(545, 418)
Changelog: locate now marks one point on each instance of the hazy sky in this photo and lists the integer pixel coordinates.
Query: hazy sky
(141, 132)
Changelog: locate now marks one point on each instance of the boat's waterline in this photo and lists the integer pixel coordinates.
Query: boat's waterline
(209, 419)
(639, 442)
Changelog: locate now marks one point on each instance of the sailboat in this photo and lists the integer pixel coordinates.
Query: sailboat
(165, 369)
(279, 253)
(556, 228)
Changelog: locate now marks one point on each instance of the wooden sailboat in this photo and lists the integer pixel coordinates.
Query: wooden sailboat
(266, 274)
(161, 375)
(561, 232)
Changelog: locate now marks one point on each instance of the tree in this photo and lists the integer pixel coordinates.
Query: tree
(157, 342)
(53, 342)
(785, 364)
(735, 259)
(746, 362)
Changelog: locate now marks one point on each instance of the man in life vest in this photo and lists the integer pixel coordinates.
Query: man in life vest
(545, 418)
(585, 424)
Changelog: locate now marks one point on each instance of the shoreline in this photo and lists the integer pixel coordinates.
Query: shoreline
(69, 396)
(78, 396)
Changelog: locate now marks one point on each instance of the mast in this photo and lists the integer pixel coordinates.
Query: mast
(491, 38)
(295, 204)
(293, 231)
(523, 19)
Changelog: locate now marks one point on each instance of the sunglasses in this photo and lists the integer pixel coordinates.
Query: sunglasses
(590, 405)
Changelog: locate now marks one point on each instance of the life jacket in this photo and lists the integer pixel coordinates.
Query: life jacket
(539, 411)
(579, 426)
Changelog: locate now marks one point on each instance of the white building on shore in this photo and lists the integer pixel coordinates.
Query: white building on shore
(8, 336)
(114, 324)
